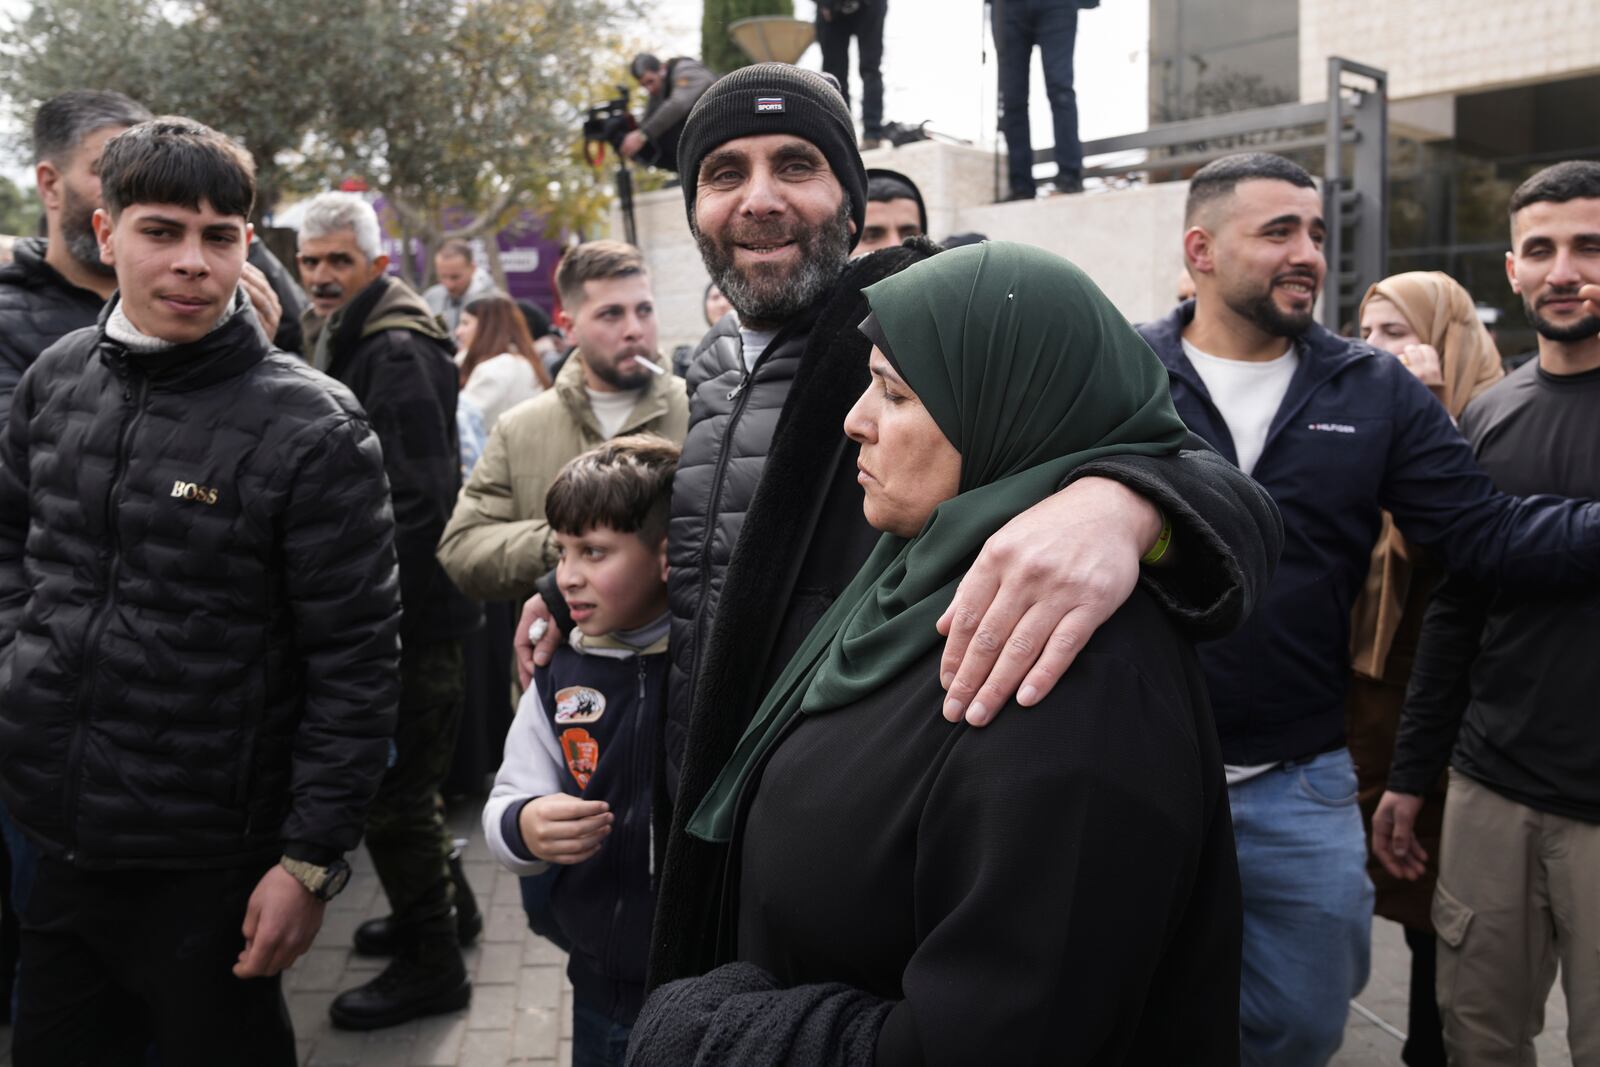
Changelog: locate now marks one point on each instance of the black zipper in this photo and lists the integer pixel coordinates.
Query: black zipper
(108, 604)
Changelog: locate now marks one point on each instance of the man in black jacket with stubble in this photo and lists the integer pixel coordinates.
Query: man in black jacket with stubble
(767, 527)
(377, 336)
(199, 613)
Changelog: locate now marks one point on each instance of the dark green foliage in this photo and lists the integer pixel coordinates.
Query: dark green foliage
(717, 49)
(433, 102)
(19, 209)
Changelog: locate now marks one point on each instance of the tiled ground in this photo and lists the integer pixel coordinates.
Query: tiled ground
(521, 1010)
(1367, 1044)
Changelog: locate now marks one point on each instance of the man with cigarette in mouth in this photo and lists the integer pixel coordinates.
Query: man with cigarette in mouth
(497, 544)
(378, 337)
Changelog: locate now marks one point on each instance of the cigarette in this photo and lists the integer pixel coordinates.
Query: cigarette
(648, 365)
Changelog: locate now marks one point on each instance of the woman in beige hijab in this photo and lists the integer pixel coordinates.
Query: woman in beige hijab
(1427, 321)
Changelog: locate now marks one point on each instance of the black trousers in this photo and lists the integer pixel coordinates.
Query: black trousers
(833, 37)
(489, 708)
(406, 834)
(1424, 1045)
(1052, 26)
(115, 962)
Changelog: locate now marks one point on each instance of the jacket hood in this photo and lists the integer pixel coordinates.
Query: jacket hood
(386, 304)
(916, 194)
(29, 269)
(395, 306)
(27, 260)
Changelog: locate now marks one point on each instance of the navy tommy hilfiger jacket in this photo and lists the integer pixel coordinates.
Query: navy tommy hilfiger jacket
(1356, 434)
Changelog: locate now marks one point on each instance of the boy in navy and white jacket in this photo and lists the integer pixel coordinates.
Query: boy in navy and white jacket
(576, 785)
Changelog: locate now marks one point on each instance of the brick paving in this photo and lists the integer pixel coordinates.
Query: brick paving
(521, 1011)
(521, 1008)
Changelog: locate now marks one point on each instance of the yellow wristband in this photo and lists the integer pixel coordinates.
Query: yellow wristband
(1159, 549)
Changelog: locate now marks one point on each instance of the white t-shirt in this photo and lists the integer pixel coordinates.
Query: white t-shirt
(1247, 394)
(611, 410)
(755, 342)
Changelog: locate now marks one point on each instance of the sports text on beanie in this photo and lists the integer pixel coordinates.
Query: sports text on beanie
(768, 98)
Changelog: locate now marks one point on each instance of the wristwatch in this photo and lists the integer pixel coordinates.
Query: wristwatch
(324, 883)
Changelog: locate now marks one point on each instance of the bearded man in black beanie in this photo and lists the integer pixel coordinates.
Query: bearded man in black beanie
(767, 527)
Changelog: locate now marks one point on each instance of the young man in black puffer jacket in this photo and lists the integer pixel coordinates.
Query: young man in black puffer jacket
(199, 612)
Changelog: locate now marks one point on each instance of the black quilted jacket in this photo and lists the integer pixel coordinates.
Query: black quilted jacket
(198, 605)
(38, 307)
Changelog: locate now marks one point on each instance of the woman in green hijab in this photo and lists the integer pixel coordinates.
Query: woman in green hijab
(1058, 887)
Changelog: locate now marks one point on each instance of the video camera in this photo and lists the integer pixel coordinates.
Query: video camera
(608, 123)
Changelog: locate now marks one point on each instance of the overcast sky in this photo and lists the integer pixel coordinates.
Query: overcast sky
(933, 67)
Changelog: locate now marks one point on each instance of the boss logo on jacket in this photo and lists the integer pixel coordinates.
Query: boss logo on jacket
(191, 491)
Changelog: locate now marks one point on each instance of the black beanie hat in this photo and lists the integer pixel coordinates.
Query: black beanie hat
(775, 98)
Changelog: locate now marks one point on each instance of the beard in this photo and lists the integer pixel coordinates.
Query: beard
(621, 372)
(1581, 330)
(77, 232)
(768, 294)
(1260, 309)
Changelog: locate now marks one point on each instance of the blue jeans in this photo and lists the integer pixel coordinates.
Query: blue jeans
(597, 1039)
(1052, 26)
(1307, 909)
(536, 905)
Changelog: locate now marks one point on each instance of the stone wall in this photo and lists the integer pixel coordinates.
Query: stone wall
(1440, 46)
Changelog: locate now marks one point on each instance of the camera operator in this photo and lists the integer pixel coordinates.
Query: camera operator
(674, 87)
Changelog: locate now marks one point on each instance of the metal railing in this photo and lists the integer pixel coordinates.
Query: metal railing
(1351, 127)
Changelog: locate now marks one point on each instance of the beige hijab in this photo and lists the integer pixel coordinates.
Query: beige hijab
(1442, 314)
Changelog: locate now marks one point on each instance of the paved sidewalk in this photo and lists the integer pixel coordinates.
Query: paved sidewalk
(521, 1003)
(1370, 1044)
(521, 1010)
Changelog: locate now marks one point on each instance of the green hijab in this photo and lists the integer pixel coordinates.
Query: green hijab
(1030, 372)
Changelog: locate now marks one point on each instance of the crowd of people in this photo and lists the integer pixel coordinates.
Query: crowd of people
(929, 666)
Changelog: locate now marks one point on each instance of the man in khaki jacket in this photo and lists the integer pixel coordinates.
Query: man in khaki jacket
(497, 543)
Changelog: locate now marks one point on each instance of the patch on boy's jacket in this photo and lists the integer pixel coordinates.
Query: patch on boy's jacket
(583, 754)
(579, 703)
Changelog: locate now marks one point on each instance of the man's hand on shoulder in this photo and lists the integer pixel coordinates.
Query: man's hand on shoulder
(267, 306)
(280, 922)
(535, 651)
(1038, 591)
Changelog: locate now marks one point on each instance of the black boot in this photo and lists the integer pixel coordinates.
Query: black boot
(427, 978)
(377, 937)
